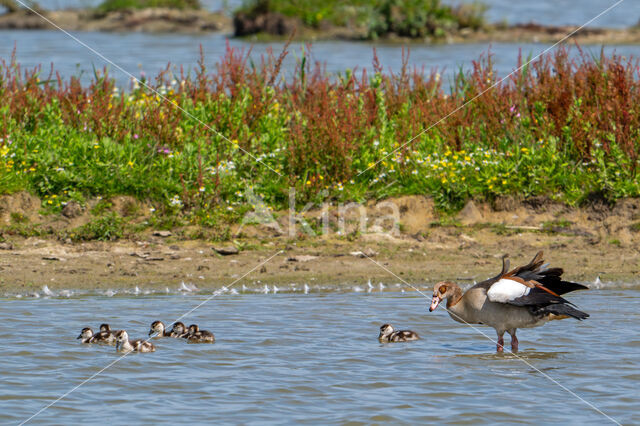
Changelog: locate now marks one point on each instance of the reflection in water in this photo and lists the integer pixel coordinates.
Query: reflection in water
(313, 357)
(508, 356)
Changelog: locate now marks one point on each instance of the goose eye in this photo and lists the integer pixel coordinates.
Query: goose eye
(442, 289)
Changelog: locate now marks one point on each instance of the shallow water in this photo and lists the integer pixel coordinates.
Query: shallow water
(315, 358)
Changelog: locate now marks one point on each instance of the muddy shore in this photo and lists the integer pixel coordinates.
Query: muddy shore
(596, 241)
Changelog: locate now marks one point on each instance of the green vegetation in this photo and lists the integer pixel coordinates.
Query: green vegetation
(407, 18)
(106, 228)
(560, 128)
(114, 5)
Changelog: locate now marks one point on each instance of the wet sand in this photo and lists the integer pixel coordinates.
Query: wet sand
(466, 257)
(596, 241)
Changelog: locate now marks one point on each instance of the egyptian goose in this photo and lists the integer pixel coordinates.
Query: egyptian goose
(158, 330)
(527, 296)
(178, 329)
(104, 337)
(388, 334)
(195, 335)
(123, 344)
(86, 335)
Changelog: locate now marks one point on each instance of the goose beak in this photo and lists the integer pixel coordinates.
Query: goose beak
(434, 303)
(151, 332)
(79, 337)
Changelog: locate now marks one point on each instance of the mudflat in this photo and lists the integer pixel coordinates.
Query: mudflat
(591, 242)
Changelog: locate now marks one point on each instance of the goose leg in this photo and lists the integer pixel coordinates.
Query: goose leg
(514, 341)
(500, 346)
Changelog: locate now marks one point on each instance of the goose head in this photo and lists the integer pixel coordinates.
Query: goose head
(85, 334)
(157, 327)
(121, 338)
(178, 328)
(441, 291)
(385, 330)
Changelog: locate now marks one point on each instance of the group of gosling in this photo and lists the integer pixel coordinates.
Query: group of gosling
(120, 338)
(193, 334)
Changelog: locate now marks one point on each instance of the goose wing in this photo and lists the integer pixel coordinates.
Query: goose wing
(532, 295)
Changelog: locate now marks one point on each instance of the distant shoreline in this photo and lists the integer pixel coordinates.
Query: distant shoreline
(164, 20)
(152, 20)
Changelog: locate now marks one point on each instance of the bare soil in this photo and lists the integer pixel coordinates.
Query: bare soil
(598, 240)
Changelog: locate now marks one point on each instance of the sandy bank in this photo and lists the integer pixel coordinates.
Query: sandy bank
(590, 242)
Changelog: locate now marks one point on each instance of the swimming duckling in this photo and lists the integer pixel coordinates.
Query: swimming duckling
(158, 328)
(124, 345)
(195, 335)
(86, 335)
(105, 336)
(388, 334)
(178, 330)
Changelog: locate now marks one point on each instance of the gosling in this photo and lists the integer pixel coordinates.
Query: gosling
(124, 345)
(195, 335)
(158, 330)
(105, 336)
(178, 330)
(389, 335)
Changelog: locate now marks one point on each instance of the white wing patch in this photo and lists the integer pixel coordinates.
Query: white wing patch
(505, 290)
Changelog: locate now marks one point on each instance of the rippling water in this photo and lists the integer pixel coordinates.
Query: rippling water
(315, 358)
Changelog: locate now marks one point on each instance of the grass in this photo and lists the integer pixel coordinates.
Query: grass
(406, 18)
(109, 227)
(562, 128)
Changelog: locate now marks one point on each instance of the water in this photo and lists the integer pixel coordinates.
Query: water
(150, 53)
(315, 358)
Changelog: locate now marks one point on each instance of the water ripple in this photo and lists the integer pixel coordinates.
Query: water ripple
(315, 358)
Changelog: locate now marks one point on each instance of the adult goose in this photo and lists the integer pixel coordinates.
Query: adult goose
(527, 296)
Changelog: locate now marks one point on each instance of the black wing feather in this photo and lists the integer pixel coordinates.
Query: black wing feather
(540, 301)
(562, 309)
(550, 278)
